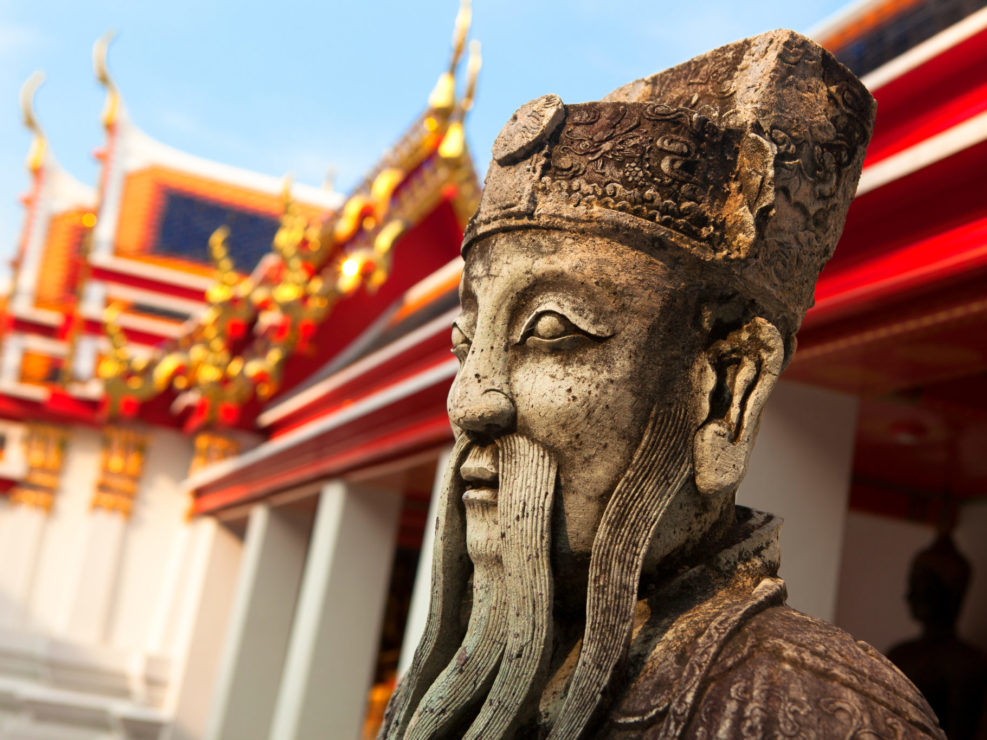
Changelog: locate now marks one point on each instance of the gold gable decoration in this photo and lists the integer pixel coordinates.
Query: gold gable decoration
(251, 327)
(44, 449)
(211, 447)
(120, 471)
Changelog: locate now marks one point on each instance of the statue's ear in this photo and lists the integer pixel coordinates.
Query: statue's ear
(736, 377)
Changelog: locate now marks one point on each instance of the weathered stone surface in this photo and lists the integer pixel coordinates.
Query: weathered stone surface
(634, 278)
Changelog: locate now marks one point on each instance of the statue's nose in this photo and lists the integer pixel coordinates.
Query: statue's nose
(490, 413)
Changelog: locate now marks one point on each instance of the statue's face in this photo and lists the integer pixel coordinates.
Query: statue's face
(569, 340)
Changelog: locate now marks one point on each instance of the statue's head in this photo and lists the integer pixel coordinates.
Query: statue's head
(634, 278)
(937, 583)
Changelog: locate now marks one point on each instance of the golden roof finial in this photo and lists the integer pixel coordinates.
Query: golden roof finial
(37, 152)
(472, 71)
(329, 181)
(444, 94)
(287, 182)
(112, 106)
(463, 19)
(454, 142)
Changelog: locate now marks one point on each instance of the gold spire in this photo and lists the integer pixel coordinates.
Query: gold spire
(454, 142)
(444, 95)
(463, 19)
(112, 106)
(472, 72)
(36, 154)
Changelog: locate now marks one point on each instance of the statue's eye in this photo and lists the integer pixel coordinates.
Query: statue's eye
(552, 330)
(460, 343)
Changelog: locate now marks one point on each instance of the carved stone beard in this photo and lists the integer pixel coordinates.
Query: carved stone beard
(658, 472)
(502, 657)
(469, 675)
(505, 651)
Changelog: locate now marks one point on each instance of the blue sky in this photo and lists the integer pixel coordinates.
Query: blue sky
(299, 87)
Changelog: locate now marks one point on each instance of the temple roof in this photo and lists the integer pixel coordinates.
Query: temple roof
(183, 291)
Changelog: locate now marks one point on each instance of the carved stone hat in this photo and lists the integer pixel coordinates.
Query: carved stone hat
(745, 158)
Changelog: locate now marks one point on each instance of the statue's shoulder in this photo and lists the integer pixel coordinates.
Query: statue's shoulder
(785, 671)
(776, 673)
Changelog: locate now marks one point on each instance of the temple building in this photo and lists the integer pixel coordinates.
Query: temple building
(222, 405)
(155, 317)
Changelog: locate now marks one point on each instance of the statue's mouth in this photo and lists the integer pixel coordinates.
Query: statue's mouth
(479, 472)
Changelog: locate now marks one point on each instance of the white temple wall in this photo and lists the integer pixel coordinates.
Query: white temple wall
(19, 533)
(800, 470)
(115, 627)
(14, 462)
(60, 561)
(877, 554)
(155, 523)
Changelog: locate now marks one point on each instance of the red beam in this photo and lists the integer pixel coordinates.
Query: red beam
(938, 258)
(119, 277)
(411, 440)
(914, 233)
(429, 352)
(59, 408)
(931, 98)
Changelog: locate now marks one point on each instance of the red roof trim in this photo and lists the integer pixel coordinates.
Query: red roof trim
(935, 96)
(422, 435)
(136, 281)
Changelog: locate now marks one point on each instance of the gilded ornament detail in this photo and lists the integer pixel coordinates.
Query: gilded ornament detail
(44, 449)
(252, 326)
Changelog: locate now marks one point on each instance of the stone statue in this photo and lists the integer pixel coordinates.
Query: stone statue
(634, 279)
(951, 673)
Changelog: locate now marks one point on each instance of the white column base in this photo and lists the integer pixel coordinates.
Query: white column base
(200, 620)
(336, 630)
(260, 625)
(21, 530)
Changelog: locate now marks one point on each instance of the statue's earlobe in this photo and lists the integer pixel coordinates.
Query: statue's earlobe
(738, 373)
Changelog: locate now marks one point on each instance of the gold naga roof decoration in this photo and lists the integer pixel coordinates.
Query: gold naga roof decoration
(252, 325)
(112, 105)
(36, 154)
(64, 224)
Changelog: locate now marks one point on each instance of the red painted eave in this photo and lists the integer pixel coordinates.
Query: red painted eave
(400, 424)
(927, 228)
(312, 462)
(130, 280)
(58, 408)
(421, 251)
(930, 98)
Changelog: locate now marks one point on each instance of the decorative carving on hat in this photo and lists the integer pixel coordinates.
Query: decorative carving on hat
(651, 161)
(746, 157)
